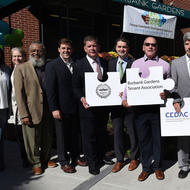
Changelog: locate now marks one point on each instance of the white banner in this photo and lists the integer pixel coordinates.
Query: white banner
(173, 123)
(144, 22)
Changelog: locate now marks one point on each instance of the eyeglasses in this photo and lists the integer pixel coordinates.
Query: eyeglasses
(150, 44)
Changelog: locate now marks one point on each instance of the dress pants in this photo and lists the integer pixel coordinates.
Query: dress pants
(20, 142)
(3, 121)
(121, 118)
(38, 141)
(67, 139)
(149, 136)
(93, 137)
(183, 153)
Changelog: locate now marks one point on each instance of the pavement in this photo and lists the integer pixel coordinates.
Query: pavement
(14, 177)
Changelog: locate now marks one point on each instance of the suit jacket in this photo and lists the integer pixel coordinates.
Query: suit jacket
(59, 87)
(180, 75)
(80, 68)
(118, 111)
(112, 67)
(29, 95)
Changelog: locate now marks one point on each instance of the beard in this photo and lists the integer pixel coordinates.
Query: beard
(37, 63)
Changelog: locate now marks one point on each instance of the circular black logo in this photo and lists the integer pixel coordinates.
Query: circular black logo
(103, 90)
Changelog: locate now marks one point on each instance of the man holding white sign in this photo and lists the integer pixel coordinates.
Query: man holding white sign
(93, 119)
(122, 117)
(147, 120)
(180, 71)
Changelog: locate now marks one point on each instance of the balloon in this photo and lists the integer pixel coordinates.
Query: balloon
(2, 41)
(19, 33)
(4, 27)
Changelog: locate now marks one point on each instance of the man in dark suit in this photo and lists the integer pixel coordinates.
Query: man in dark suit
(93, 119)
(63, 105)
(123, 116)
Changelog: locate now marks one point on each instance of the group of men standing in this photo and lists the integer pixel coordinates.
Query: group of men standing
(58, 89)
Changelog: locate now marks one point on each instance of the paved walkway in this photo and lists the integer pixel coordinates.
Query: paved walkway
(17, 178)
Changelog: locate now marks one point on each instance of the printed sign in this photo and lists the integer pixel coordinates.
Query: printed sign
(139, 21)
(146, 91)
(106, 93)
(173, 123)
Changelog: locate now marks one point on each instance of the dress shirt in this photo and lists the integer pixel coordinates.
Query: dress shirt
(188, 63)
(124, 65)
(92, 63)
(143, 64)
(69, 64)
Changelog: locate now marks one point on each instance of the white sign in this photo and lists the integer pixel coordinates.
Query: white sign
(146, 91)
(103, 93)
(173, 123)
(144, 22)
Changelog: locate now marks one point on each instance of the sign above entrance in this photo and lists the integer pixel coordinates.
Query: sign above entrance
(156, 7)
(139, 21)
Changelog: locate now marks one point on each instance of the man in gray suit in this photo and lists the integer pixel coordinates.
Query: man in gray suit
(180, 71)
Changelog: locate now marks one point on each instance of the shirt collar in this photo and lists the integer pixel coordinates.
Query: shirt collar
(70, 60)
(123, 60)
(91, 61)
(156, 58)
(187, 58)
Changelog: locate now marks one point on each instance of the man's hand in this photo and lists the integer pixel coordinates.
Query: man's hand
(163, 95)
(26, 121)
(125, 104)
(56, 114)
(177, 107)
(121, 94)
(84, 103)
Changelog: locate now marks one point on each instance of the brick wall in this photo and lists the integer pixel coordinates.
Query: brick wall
(29, 24)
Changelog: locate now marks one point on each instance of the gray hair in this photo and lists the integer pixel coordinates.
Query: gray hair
(186, 37)
(37, 42)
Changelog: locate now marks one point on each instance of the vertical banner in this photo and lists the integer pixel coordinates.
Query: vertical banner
(144, 22)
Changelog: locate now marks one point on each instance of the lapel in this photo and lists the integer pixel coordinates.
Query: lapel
(63, 65)
(34, 73)
(184, 67)
(129, 63)
(113, 64)
(87, 66)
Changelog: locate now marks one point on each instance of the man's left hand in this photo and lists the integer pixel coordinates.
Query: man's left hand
(163, 95)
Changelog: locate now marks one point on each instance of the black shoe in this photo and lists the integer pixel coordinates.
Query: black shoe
(183, 174)
(94, 171)
(108, 161)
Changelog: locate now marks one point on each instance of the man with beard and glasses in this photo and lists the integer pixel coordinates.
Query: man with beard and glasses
(29, 82)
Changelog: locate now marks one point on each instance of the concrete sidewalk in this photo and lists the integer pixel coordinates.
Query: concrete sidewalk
(16, 178)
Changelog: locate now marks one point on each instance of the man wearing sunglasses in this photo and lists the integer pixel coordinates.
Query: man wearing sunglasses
(147, 121)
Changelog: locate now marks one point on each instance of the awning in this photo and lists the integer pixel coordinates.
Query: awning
(157, 7)
(7, 7)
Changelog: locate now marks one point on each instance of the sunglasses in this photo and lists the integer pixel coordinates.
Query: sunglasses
(150, 44)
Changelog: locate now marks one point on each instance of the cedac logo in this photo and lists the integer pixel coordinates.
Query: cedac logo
(176, 115)
(154, 19)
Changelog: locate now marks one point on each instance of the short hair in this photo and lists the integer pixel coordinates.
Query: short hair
(21, 50)
(64, 41)
(37, 42)
(90, 38)
(123, 39)
(186, 37)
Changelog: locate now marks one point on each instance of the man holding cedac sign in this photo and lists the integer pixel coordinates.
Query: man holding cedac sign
(180, 72)
(148, 116)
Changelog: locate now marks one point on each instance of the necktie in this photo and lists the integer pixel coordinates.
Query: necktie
(98, 70)
(70, 67)
(121, 69)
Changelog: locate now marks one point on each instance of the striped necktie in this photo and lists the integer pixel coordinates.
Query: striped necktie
(98, 70)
